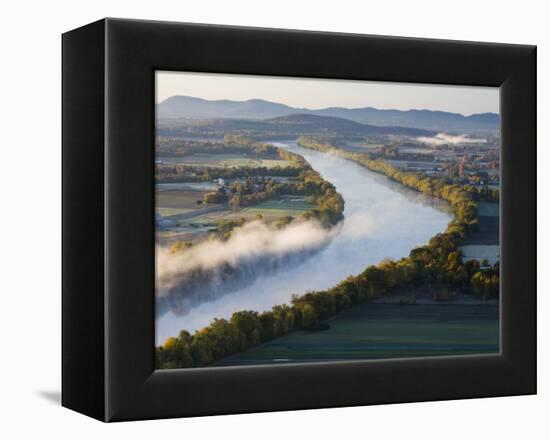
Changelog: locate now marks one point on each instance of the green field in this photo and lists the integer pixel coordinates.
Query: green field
(375, 331)
(490, 252)
(283, 205)
(223, 161)
(272, 163)
(488, 209)
(271, 210)
(485, 242)
(169, 212)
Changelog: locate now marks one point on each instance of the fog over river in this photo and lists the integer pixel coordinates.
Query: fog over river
(382, 219)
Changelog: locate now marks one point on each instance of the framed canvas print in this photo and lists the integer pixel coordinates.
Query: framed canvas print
(261, 220)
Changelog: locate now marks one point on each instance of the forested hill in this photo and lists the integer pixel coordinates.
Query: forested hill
(291, 125)
(198, 108)
(305, 121)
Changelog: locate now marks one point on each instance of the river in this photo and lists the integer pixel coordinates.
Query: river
(382, 220)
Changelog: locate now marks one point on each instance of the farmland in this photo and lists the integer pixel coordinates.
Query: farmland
(375, 331)
(201, 185)
(176, 207)
(270, 211)
(484, 243)
(488, 209)
(173, 202)
(223, 160)
(281, 206)
(189, 222)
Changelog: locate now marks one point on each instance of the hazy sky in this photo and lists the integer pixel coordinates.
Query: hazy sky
(320, 93)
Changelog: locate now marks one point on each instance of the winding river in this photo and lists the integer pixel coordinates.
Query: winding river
(382, 219)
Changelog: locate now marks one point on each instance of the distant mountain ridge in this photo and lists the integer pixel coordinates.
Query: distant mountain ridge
(198, 108)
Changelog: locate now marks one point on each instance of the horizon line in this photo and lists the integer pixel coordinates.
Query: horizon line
(329, 107)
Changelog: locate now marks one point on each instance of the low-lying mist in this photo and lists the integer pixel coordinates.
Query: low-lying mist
(213, 268)
(442, 138)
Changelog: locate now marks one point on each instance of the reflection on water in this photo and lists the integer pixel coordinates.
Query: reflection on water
(382, 219)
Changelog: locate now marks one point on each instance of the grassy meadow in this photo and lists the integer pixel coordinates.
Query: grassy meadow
(375, 331)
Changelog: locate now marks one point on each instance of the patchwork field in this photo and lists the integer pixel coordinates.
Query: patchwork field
(179, 213)
(185, 220)
(374, 331)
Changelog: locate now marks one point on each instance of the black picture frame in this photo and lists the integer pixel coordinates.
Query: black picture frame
(108, 224)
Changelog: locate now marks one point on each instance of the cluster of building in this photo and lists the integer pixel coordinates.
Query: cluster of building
(471, 165)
